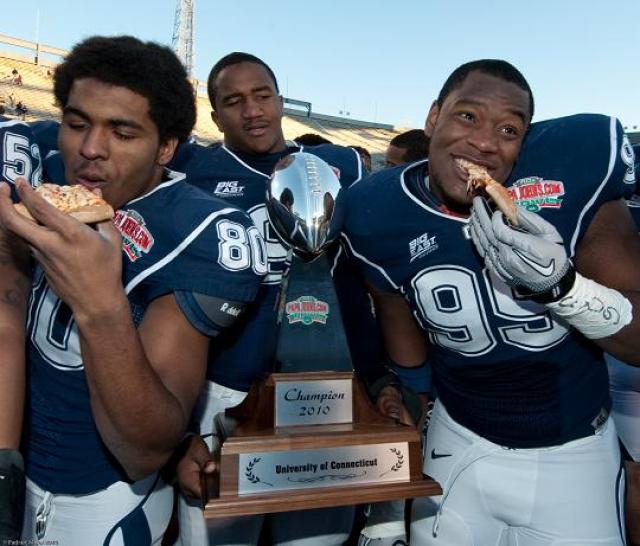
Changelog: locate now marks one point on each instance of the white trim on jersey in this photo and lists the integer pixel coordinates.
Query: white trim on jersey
(176, 251)
(365, 260)
(359, 163)
(11, 122)
(421, 204)
(335, 260)
(224, 147)
(613, 152)
(174, 178)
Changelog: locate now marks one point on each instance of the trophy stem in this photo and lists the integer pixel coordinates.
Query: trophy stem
(311, 333)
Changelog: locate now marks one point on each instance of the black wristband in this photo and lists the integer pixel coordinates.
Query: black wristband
(556, 292)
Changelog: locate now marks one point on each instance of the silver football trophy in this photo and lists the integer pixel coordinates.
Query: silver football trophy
(304, 204)
(314, 421)
(301, 202)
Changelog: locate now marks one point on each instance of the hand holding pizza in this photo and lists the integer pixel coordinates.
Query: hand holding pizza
(530, 257)
(83, 265)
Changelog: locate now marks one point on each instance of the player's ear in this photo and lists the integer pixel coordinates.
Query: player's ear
(166, 151)
(432, 117)
(216, 120)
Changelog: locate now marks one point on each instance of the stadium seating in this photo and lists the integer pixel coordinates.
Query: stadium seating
(36, 93)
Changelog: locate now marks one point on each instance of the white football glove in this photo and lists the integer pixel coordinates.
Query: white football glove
(529, 257)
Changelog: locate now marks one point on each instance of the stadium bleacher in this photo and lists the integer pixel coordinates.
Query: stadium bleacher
(36, 93)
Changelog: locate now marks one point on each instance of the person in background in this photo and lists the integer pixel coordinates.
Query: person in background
(624, 386)
(311, 139)
(14, 291)
(407, 147)
(247, 108)
(365, 155)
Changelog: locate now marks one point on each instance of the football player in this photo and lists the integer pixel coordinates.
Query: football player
(121, 313)
(516, 317)
(624, 386)
(248, 109)
(19, 157)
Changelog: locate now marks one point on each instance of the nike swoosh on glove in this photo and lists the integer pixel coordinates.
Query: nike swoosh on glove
(530, 256)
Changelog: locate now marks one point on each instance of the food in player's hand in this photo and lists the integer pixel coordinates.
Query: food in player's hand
(76, 201)
(478, 177)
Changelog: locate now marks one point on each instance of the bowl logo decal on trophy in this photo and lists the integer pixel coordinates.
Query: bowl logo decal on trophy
(307, 310)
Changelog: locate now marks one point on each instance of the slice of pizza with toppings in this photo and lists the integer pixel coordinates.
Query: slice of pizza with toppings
(77, 201)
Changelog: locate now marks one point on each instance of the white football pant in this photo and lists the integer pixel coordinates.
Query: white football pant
(567, 495)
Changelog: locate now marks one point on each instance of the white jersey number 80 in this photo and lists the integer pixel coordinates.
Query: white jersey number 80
(240, 248)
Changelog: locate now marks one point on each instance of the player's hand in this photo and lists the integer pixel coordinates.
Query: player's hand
(197, 459)
(530, 256)
(389, 403)
(83, 265)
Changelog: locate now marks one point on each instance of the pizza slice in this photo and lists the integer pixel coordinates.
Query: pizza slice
(76, 201)
(480, 178)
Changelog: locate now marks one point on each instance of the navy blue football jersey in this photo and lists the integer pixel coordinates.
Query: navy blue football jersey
(19, 154)
(46, 135)
(246, 351)
(502, 365)
(174, 238)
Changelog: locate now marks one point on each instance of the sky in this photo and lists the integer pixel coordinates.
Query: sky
(385, 60)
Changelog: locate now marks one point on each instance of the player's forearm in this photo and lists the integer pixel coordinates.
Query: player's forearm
(14, 291)
(139, 419)
(403, 340)
(12, 385)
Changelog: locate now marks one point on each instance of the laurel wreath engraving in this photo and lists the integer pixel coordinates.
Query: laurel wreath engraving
(399, 461)
(248, 472)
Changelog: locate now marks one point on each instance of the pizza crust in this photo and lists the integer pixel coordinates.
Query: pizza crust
(75, 201)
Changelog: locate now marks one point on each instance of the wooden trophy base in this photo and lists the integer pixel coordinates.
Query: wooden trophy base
(269, 468)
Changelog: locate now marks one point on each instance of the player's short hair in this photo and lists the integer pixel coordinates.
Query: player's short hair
(362, 151)
(146, 68)
(492, 67)
(414, 143)
(236, 57)
(311, 139)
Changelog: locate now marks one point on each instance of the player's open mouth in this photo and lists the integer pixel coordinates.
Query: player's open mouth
(91, 183)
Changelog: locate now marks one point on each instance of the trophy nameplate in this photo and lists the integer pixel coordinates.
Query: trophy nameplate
(323, 467)
(310, 438)
(315, 402)
(267, 468)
